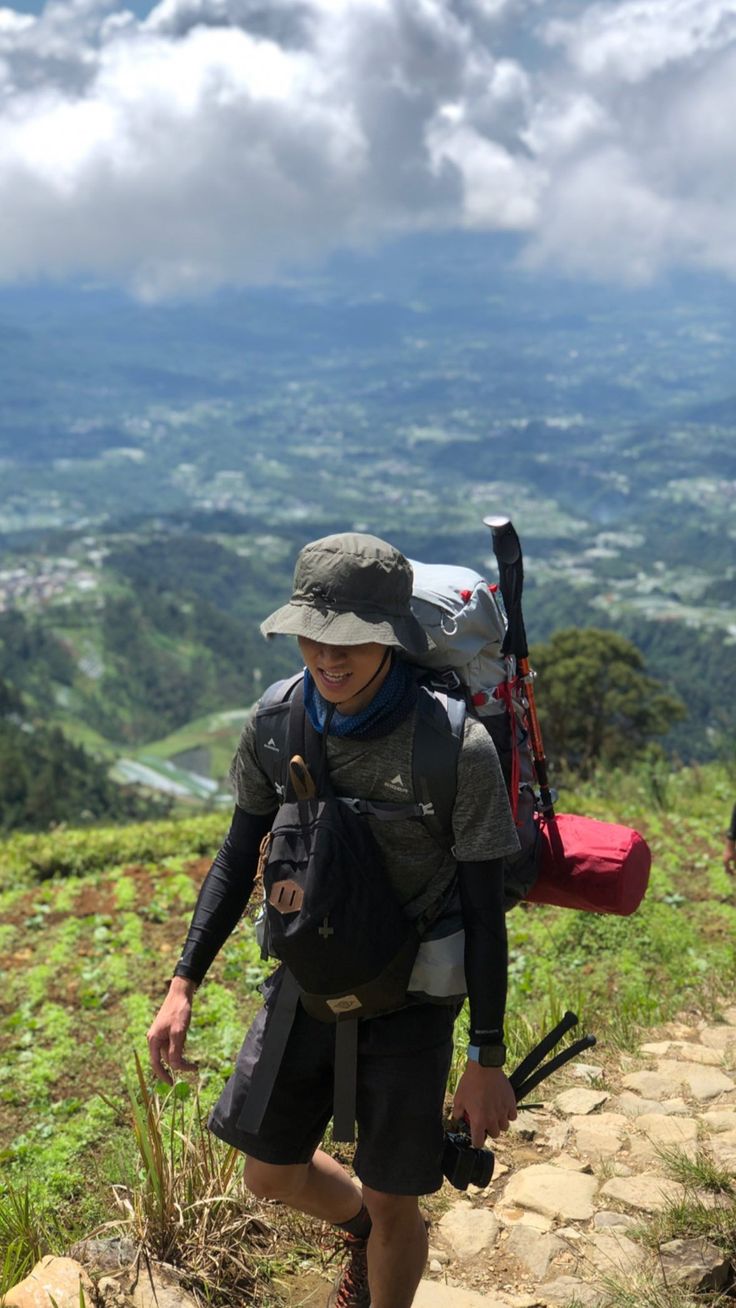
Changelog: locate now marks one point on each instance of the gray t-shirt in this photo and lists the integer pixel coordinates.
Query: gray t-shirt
(381, 770)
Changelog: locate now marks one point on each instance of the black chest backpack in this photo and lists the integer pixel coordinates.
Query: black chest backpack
(329, 913)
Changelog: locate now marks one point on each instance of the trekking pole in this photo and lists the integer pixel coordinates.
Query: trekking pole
(507, 549)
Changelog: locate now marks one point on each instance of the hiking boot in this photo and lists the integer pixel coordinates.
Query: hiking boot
(351, 1287)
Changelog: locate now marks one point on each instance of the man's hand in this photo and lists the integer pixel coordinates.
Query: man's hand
(168, 1031)
(485, 1097)
(729, 857)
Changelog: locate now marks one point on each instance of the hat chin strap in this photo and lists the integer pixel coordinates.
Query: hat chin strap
(335, 703)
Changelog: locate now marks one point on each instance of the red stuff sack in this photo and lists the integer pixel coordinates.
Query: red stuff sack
(598, 867)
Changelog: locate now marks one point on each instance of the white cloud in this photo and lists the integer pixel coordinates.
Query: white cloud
(222, 141)
(631, 41)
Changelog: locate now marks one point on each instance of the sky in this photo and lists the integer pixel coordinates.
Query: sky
(176, 148)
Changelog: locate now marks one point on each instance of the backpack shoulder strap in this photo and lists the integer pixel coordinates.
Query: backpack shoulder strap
(438, 738)
(272, 731)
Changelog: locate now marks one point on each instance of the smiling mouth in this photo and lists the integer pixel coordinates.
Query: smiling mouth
(334, 678)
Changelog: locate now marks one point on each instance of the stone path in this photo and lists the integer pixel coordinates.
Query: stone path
(574, 1178)
(572, 1182)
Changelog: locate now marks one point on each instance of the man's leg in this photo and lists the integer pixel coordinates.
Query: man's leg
(397, 1248)
(321, 1188)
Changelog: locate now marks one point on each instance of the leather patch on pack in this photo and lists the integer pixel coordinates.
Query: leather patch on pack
(345, 1004)
(286, 896)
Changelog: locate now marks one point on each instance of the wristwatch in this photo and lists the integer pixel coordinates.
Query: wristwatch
(487, 1055)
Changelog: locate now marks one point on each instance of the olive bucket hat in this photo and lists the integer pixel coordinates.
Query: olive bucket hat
(349, 589)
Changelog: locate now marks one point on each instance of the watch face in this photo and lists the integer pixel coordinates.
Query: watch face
(492, 1055)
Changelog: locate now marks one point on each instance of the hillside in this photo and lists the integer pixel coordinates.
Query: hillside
(92, 922)
(175, 457)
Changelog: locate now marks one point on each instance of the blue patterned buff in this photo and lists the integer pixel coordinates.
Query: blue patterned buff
(392, 702)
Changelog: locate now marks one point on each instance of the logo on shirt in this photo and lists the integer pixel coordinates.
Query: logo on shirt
(396, 783)
(271, 744)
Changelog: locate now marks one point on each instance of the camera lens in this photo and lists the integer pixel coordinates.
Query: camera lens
(482, 1167)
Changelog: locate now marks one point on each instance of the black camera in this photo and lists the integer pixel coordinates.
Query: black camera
(464, 1164)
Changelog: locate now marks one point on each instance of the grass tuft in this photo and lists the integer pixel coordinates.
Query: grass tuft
(25, 1236)
(700, 1172)
(188, 1207)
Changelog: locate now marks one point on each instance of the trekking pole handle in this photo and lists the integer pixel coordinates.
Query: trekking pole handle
(540, 1050)
(541, 1074)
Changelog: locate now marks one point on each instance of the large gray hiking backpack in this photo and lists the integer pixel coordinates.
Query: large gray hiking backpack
(461, 613)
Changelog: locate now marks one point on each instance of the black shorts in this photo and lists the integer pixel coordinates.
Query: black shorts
(403, 1064)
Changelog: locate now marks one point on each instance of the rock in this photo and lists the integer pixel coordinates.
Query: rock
(586, 1071)
(612, 1252)
(510, 1217)
(434, 1294)
(111, 1293)
(676, 1030)
(717, 1037)
(723, 1149)
(600, 1136)
(729, 1016)
(570, 1163)
(646, 1192)
(653, 1085)
(719, 1119)
(438, 1256)
(677, 1105)
(696, 1264)
(632, 1105)
(524, 1126)
(468, 1231)
(607, 1219)
(160, 1287)
(687, 1051)
(558, 1135)
(660, 1131)
(533, 1250)
(702, 1082)
(580, 1101)
(568, 1289)
(435, 1266)
(52, 1278)
(104, 1255)
(553, 1191)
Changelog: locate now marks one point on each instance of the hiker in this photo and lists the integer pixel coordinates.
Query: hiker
(350, 611)
(729, 852)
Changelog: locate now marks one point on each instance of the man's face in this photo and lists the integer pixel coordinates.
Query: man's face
(346, 675)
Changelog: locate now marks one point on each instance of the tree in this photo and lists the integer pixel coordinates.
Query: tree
(596, 702)
(46, 779)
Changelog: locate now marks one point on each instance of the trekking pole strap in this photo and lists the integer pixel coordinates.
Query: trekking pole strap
(346, 1081)
(276, 1035)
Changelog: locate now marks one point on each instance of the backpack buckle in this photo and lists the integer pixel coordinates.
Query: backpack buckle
(426, 810)
(353, 804)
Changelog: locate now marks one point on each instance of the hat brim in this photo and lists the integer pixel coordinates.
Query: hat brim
(347, 628)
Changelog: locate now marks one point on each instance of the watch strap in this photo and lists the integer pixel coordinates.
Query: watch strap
(487, 1055)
